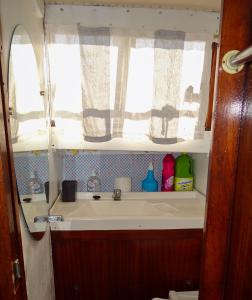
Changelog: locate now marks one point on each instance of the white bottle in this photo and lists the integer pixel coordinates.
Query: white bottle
(94, 182)
(35, 185)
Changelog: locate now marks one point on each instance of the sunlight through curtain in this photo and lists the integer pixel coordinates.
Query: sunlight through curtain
(109, 83)
(28, 116)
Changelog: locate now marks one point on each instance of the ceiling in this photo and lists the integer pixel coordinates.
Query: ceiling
(208, 5)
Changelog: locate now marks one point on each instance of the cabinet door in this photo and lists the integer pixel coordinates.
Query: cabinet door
(169, 264)
(124, 269)
(80, 268)
(122, 265)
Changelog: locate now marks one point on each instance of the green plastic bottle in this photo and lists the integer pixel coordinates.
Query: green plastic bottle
(184, 173)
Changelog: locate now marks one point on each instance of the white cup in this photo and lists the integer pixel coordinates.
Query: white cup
(123, 183)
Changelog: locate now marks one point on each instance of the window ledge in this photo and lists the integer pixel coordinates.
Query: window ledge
(118, 144)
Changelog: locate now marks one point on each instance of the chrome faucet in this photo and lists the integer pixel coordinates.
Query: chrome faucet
(117, 194)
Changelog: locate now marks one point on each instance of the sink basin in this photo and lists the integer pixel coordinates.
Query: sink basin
(173, 210)
(117, 209)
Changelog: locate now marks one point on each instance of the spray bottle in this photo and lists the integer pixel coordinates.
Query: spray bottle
(149, 184)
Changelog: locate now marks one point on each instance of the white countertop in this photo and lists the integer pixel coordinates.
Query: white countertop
(37, 207)
(170, 210)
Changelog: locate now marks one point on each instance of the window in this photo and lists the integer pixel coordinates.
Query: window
(127, 86)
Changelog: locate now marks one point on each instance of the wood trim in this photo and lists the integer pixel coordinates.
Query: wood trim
(155, 234)
(10, 241)
(238, 284)
(235, 34)
(208, 123)
(6, 230)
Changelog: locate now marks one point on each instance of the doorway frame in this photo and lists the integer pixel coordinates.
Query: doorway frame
(11, 253)
(224, 162)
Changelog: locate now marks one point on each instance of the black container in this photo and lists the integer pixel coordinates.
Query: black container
(47, 191)
(69, 188)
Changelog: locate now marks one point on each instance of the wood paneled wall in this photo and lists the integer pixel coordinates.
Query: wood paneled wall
(123, 265)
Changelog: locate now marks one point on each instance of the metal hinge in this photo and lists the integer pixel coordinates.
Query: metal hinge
(48, 219)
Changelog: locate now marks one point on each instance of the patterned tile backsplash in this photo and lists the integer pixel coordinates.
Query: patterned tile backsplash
(28, 162)
(109, 166)
(79, 166)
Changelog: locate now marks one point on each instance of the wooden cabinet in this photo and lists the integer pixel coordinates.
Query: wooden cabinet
(120, 265)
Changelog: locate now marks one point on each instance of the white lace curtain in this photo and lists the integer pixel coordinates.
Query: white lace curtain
(110, 84)
(28, 115)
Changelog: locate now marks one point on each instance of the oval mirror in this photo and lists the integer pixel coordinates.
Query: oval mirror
(29, 132)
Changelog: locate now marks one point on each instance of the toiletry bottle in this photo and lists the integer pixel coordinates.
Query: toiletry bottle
(94, 182)
(149, 184)
(168, 173)
(184, 173)
(35, 184)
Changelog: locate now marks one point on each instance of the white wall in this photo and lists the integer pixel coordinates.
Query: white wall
(201, 171)
(213, 5)
(37, 254)
(134, 18)
(38, 265)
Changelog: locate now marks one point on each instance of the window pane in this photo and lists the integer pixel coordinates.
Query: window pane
(140, 89)
(192, 70)
(66, 77)
(140, 80)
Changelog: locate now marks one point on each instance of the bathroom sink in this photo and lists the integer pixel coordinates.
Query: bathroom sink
(165, 207)
(173, 210)
(118, 209)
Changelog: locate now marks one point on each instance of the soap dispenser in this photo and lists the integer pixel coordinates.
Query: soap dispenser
(149, 184)
(94, 182)
(35, 184)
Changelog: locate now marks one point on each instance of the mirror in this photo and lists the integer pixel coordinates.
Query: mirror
(29, 134)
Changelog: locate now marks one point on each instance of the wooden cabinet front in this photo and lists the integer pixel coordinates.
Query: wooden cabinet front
(120, 265)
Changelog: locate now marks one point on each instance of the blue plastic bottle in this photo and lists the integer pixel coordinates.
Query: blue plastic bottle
(149, 184)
